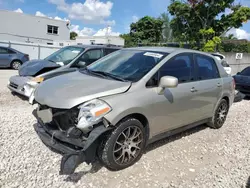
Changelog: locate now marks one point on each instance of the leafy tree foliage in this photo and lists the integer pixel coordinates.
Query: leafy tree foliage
(73, 35)
(146, 29)
(128, 40)
(202, 20)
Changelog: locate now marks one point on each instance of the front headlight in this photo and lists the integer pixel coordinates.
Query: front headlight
(32, 83)
(91, 113)
(37, 79)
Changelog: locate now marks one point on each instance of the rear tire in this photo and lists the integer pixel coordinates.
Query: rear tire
(220, 115)
(16, 64)
(124, 146)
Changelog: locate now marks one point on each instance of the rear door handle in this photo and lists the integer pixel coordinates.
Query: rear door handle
(219, 85)
(193, 90)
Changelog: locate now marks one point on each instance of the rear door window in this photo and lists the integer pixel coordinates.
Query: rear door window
(109, 50)
(3, 50)
(11, 51)
(206, 67)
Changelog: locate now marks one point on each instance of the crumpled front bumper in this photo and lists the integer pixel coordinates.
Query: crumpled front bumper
(81, 150)
(19, 85)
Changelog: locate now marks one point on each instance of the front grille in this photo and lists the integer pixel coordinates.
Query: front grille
(13, 85)
(62, 119)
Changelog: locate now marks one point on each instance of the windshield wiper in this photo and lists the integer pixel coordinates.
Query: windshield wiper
(52, 61)
(103, 74)
(92, 72)
(109, 75)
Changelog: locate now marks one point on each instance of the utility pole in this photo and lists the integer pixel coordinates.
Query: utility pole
(107, 34)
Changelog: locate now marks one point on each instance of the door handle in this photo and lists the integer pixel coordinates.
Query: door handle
(219, 85)
(193, 90)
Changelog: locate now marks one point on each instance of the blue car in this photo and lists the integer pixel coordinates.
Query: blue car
(12, 58)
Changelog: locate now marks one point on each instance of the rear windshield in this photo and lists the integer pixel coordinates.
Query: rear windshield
(245, 72)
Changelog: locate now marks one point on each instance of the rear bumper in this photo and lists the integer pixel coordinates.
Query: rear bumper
(245, 89)
(19, 85)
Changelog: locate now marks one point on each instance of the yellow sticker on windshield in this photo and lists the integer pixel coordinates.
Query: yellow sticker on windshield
(156, 55)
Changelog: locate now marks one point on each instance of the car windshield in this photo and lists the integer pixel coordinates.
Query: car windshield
(127, 64)
(245, 72)
(65, 55)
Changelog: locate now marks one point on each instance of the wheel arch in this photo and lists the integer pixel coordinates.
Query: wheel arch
(15, 60)
(227, 99)
(139, 116)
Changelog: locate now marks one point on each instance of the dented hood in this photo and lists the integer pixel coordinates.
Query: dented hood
(31, 68)
(69, 90)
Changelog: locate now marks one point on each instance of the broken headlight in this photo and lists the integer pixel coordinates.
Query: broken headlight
(91, 113)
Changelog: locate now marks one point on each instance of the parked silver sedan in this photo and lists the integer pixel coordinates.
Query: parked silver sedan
(118, 105)
(63, 61)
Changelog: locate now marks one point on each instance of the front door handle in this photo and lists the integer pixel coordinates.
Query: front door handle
(219, 85)
(193, 90)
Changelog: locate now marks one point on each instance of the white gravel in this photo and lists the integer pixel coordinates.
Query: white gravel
(199, 158)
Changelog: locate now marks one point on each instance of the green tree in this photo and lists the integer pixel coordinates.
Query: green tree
(73, 35)
(146, 30)
(128, 40)
(166, 28)
(202, 20)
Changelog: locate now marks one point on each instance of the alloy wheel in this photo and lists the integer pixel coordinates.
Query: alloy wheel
(222, 114)
(16, 65)
(128, 145)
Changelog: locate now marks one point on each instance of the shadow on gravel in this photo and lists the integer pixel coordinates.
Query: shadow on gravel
(75, 177)
(247, 98)
(19, 96)
(175, 137)
(248, 182)
(97, 165)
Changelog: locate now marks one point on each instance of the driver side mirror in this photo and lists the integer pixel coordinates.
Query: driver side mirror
(238, 73)
(81, 64)
(168, 82)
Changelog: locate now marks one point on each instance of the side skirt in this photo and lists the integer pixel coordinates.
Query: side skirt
(176, 131)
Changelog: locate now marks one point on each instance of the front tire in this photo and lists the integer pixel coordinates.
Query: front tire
(220, 115)
(16, 64)
(124, 146)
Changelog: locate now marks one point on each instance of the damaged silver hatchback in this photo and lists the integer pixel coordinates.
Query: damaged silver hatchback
(112, 109)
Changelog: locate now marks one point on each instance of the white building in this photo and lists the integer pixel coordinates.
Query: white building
(34, 29)
(113, 40)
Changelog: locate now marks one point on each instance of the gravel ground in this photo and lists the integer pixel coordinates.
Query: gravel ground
(201, 157)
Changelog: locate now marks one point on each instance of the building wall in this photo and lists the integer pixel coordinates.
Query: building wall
(101, 40)
(35, 51)
(22, 27)
(237, 65)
